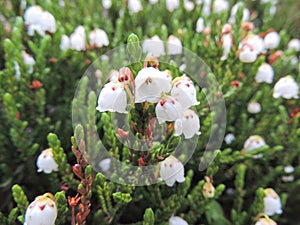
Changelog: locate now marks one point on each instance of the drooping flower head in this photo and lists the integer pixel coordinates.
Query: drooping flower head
(154, 46)
(45, 161)
(265, 73)
(272, 202)
(174, 45)
(253, 107)
(168, 109)
(286, 87)
(98, 38)
(272, 40)
(189, 125)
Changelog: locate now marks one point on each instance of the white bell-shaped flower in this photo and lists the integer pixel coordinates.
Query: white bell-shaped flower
(45, 161)
(286, 87)
(98, 38)
(229, 138)
(28, 60)
(176, 220)
(171, 170)
(42, 211)
(247, 54)
(288, 177)
(33, 14)
(256, 42)
(253, 107)
(77, 39)
(206, 10)
(154, 46)
(106, 4)
(226, 44)
(254, 142)
(112, 98)
(234, 9)
(200, 25)
(188, 5)
(174, 45)
(189, 125)
(172, 5)
(294, 44)
(220, 6)
(134, 6)
(272, 202)
(150, 83)
(168, 109)
(64, 43)
(265, 221)
(184, 92)
(272, 40)
(265, 73)
(47, 22)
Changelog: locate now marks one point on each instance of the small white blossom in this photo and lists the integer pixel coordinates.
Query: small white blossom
(288, 177)
(64, 42)
(176, 220)
(47, 22)
(45, 161)
(172, 170)
(184, 92)
(272, 202)
(226, 44)
(105, 164)
(286, 87)
(272, 40)
(294, 44)
(253, 107)
(188, 5)
(154, 46)
(134, 6)
(206, 7)
(247, 54)
(153, 2)
(98, 38)
(265, 73)
(200, 25)
(172, 5)
(234, 9)
(254, 142)
(256, 42)
(220, 6)
(265, 221)
(168, 109)
(189, 125)
(174, 45)
(229, 138)
(42, 211)
(77, 39)
(106, 4)
(17, 70)
(150, 83)
(28, 60)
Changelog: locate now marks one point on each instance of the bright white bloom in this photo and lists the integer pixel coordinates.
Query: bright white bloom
(154, 46)
(189, 5)
(112, 98)
(288, 177)
(189, 125)
(28, 60)
(42, 211)
(106, 4)
(256, 42)
(226, 43)
(272, 202)
(286, 87)
(294, 44)
(234, 9)
(47, 22)
(168, 109)
(220, 6)
(77, 39)
(206, 7)
(254, 142)
(61, 3)
(176, 220)
(45, 161)
(64, 42)
(184, 92)
(253, 107)
(200, 25)
(98, 38)
(105, 164)
(172, 5)
(265, 73)
(272, 40)
(153, 2)
(265, 221)
(174, 45)
(229, 138)
(247, 54)
(150, 83)
(80, 30)
(17, 71)
(134, 6)
(172, 170)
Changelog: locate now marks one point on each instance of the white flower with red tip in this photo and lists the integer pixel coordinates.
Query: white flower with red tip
(98, 38)
(286, 87)
(150, 83)
(172, 5)
(265, 73)
(254, 107)
(184, 92)
(247, 54)
(272, 202)
(112, 98)
(272, 40)
(176, 220)
(45, 161)
(171, 170)
(189, 125)
(294, 44)
(168, 109)
(154, 46)
(256, 42)
(174, 45)
(42, 211)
